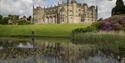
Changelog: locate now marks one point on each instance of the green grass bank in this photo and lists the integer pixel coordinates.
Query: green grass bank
(42, 30)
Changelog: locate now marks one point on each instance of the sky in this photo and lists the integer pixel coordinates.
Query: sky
(24, 7)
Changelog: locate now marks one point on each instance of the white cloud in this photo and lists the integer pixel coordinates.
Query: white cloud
(24, 7)
(18, 7)
(105, 8)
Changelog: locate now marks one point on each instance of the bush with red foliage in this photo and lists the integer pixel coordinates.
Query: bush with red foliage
(115, 23)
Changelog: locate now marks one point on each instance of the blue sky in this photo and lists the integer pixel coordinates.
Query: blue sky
(24, 7)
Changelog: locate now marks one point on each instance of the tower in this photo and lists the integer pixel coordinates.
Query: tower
(74, 10)
(96, 12)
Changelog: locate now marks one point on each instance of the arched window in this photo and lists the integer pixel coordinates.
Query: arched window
(82, 19)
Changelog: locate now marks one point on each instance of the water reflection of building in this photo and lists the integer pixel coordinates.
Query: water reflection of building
(62, 13)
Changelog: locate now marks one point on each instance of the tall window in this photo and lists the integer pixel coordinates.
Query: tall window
(71, 13)
(82, 19)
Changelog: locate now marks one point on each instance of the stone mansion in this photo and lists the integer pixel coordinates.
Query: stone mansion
(73, 12)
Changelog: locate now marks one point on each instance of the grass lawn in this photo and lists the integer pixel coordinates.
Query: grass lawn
(43, 30)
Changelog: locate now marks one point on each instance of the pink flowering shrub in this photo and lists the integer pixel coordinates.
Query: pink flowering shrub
(114, 23)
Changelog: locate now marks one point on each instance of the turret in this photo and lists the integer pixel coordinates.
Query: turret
(33, 14)
(85, 7)
(93, 8)
(96, 12)
(74, 11)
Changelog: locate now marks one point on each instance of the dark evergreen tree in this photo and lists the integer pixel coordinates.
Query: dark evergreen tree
(4, 20)
(119, 8)
(1, 17)
(29, 18)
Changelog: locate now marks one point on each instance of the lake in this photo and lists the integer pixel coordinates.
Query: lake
(57, 50)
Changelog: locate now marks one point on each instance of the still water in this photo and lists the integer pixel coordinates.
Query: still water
(99, 57)
(52, 59)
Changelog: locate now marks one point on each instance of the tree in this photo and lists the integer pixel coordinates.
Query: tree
(29, 18)
(100, 19)
(13, 19)
(1, 17)
(119, 8)
(4, 20)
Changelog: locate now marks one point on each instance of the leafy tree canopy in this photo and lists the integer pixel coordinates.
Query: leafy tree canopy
(119, 8)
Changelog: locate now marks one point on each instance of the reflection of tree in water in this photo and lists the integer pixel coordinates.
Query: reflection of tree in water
(56, 53)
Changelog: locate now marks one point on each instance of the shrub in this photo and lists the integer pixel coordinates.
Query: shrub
(92, 28)
(23, 22)
(115, 23)
(4, 20)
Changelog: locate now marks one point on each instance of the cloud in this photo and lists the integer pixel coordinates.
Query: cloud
(105, 8)
(18, 7)
(24, 7)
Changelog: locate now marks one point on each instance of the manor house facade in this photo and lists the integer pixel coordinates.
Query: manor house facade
(62, 13)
